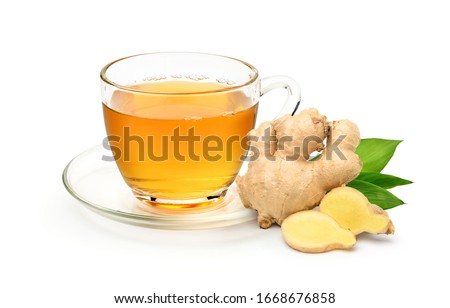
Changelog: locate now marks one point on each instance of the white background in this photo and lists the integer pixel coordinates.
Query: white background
(383, 64)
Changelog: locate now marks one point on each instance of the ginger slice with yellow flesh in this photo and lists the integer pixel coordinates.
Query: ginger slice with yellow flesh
(353, 211)
(314, 232)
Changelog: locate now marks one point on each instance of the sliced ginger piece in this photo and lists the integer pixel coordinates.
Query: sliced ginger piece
(313, 231)
(351, 210)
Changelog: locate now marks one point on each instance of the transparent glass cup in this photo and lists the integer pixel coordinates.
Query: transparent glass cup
(177, 123)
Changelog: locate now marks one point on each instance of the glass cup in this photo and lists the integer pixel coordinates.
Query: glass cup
(177, 123)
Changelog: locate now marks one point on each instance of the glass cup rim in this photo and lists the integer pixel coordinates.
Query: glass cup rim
(105, 79)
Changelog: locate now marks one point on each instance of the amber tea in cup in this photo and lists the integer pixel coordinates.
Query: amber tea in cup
(177, 122)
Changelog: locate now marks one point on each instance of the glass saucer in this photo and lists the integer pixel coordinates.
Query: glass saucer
(99, 186)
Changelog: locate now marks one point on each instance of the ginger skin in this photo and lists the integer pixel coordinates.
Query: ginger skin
(314, 232)
(281, 181)
(351, 210)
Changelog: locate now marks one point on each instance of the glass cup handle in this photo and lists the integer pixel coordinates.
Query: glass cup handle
(293, 92)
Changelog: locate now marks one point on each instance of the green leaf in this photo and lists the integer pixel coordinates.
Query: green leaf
(375, 153)
(383, 180)
(376, 194)
(314, 158)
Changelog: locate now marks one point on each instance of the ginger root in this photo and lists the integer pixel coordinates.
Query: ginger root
(313, 231)
(281, 181)
(351, 210)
